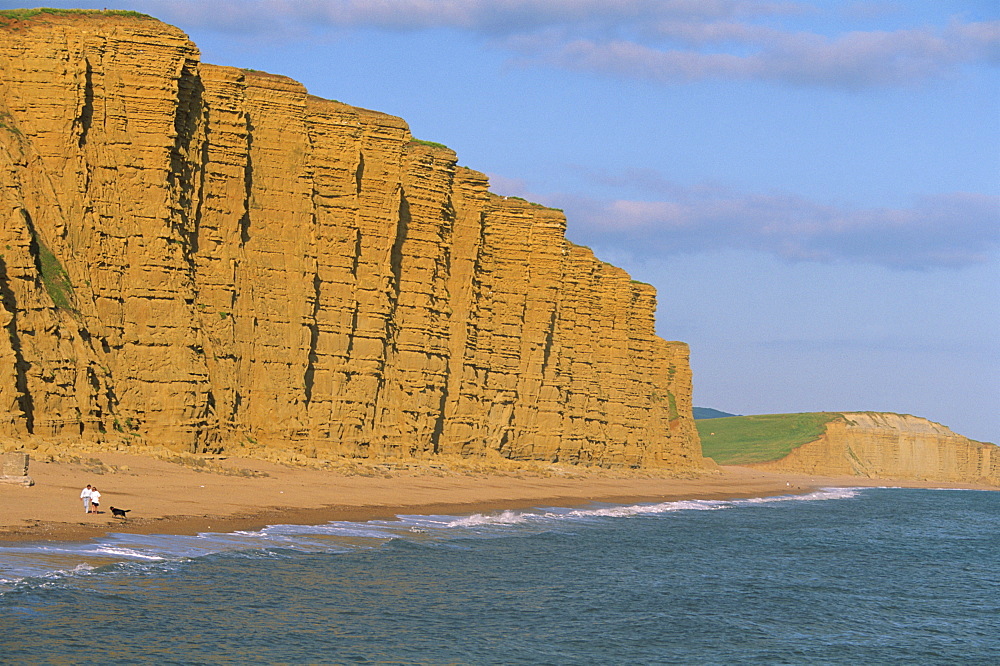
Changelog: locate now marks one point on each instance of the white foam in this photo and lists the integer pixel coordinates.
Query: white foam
(44, 562)
(626, 511)
(337, 528)
(818, 495)
(129, 553)
(504, 518)
(651, 509)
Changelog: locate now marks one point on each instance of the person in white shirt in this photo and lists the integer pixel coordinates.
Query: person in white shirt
(95, 500)
(85, 496)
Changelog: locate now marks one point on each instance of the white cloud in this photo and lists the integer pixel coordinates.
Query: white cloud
(502, 16)
(851, 60)
(947, 230)
(942, 231)
(666, 41)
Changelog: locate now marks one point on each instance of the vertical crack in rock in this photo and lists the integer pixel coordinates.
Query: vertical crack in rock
(202, 168)
(359, 173)
(186, 174)
(247, 184)
(25, 401)
(444, 272)
(396, 254)
(87, 111)
(211, 436)
(310, 373)
(549, 339)
(187, 165)
(389, 347)
(441, 412)
(356, 259)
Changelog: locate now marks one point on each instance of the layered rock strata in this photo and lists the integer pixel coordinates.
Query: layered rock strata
(894, 446)
(206, 257)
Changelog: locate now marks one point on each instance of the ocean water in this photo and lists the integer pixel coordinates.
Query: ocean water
(840, 576)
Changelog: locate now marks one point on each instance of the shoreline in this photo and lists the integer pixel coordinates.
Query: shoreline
(169, 498)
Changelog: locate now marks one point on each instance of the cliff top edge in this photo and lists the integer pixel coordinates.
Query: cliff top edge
(41, 13)
(108, 20)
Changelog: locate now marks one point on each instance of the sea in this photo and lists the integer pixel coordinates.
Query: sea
(837, 576)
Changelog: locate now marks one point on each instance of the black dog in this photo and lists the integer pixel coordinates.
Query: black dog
(120, 513)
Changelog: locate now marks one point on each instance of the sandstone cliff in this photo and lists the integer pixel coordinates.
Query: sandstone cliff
(204, 258)
(893, 446)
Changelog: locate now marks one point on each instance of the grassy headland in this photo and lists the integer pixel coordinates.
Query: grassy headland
(738, 440)
(709, 413)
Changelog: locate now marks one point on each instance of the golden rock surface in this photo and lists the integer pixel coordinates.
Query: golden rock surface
(204, 258)
(894, 446)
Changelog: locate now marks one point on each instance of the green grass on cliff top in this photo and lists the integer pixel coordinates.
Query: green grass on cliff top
(24, 14)
(738, 440)
(432, 144)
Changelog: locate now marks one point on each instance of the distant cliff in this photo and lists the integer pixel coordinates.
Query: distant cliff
(877, 446)
(867, 444)
(205, 258)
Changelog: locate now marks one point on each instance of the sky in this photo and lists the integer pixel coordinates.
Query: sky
(813, 186)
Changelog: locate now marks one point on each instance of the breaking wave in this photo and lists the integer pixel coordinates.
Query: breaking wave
(38, 565)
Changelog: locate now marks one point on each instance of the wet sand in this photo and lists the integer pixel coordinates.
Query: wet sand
(171, 498)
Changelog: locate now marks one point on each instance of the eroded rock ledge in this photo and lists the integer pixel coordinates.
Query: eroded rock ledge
(204, 257)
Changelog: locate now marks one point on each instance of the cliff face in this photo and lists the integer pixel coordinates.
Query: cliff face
(894, 446)
(204, 257)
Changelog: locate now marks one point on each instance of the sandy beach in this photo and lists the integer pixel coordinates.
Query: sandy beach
(240, 494)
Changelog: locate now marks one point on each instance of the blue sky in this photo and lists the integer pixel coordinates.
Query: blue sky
(812, 186)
